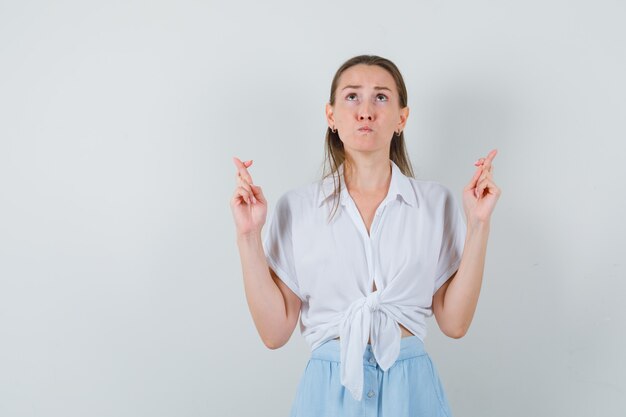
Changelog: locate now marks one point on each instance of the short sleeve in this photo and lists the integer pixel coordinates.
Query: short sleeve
(452, 241)
(278, 244)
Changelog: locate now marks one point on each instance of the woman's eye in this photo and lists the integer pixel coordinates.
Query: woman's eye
(382, 97)
(351, 96)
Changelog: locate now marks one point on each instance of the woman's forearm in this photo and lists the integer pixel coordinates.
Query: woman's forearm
(265, 300)
(461, 296)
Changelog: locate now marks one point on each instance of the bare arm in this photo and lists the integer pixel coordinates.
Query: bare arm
(454, 304)
(274, 307)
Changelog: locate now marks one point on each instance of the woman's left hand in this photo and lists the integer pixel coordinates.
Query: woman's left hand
(481, 193)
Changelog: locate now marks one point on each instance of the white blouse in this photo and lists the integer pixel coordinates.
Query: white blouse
(415, 244)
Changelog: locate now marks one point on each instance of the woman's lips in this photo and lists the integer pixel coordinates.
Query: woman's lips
(365, 129)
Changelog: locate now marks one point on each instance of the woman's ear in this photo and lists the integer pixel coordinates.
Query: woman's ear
(330, 117)
(404, 115)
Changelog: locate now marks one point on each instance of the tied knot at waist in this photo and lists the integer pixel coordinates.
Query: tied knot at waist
(372, 301)
(367, 317)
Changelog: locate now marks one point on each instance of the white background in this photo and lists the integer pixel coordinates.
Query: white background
(120, 284)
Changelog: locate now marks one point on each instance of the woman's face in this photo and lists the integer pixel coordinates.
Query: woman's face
(367, 109)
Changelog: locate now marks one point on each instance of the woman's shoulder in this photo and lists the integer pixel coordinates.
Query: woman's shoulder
(429, 190)
(300, 196)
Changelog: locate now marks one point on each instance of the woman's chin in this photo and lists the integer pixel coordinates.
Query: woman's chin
(368, 148)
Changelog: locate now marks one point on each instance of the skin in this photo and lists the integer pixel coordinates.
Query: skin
(274, 307)
(366, 95)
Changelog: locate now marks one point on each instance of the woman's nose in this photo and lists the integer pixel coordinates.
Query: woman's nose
(365, 112)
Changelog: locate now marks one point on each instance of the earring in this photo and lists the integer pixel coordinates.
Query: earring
(398, 133)
(332, 129)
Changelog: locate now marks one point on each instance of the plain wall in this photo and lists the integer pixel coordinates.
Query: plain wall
(120, 282)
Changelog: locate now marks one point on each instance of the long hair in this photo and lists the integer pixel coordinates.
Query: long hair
(334, 151)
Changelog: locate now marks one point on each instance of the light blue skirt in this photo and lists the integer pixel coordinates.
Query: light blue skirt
(410, 388)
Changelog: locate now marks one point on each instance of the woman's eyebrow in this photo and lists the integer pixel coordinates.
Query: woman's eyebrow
(360, 86)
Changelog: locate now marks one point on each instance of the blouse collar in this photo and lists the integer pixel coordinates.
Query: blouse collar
(400, 185)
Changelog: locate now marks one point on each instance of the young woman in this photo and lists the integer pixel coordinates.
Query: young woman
(364, 255)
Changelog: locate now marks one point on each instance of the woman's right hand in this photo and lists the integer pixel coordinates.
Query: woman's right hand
(248, 203)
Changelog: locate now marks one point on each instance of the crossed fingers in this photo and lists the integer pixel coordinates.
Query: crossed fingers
(486, 162)
(244, 180)
(483, 178)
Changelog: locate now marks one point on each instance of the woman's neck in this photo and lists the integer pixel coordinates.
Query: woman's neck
(367, 174)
